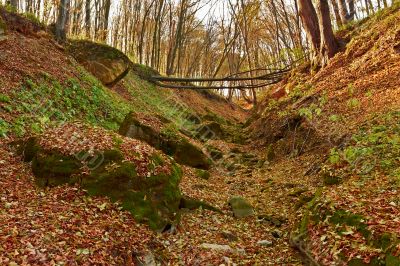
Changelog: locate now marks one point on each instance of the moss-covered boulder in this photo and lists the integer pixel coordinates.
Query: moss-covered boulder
(203, 174)
(210, 130)
(129, 171)
(165, 138)
(106, 63)
(241, 207)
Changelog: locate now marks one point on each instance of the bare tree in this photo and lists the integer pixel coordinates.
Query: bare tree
(63, 14)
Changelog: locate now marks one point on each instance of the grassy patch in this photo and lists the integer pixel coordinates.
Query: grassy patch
(44, 102)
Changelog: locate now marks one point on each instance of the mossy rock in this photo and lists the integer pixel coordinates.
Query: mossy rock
(106, 63)
(203, 174)
(330, 179)
(216, 154)
(241, 207)
(170, 142)
(153, 199)
(211, 130)
(193, 204)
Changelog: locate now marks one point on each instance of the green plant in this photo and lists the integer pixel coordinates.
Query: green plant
(353, 103)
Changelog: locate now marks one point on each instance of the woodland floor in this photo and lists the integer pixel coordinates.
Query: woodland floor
(63, 226)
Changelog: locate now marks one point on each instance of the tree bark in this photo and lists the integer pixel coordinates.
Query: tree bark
(352, 10)
(14, 4)
(310, 21)
(87, 18)
(329, 46)
(337, 13)
(63, 10)
(344, 14)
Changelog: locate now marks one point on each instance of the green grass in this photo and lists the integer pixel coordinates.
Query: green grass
(147, 98)
(375, 149)
(44, 102)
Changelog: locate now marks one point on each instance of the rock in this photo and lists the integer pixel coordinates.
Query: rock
(170, 142)
(265, 243)
(151, 196)
(276, 221)
(229, 236)
(203, 174)
(221, 248)
(277, 234)
(146, 259)
(298, 192)
(193, 204)
(215, 153)
(211, 130)
(240, 207)
(106, 63)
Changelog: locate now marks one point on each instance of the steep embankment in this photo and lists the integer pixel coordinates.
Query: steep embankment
(334, 139)
(58, 145)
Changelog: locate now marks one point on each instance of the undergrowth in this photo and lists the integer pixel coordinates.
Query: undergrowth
(44, 101)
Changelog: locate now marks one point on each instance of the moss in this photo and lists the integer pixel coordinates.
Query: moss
(84, 49)
(215, 153)
(330, 179)
(3, 26)
(341, 217)
(53, 169)
(188, 154)
(270, 153)
(4, 98)
(144, 72)
(193, 204)
(203, 174)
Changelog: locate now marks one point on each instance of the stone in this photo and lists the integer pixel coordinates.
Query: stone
(241, 208)
(152, 198)
(106, 63)
(276, 221)
(265, 243)
(221, 248)
(211, 130)
(171, 143)
(229, 236)
(203, 174)
(146, 259)
(276, 234)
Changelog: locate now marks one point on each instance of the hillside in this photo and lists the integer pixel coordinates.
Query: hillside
(100, 166)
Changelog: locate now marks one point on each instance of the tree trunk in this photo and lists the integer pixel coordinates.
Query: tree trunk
(344, 14)
(87, 18)
(310, 21)
(14, 4)
(329, 46)
(63, 10)
(352, 10)
(105, 20)
(337, 13)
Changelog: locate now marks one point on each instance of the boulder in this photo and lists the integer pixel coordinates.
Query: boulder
(241, 208)
(144, 181)
(265, 243)
(211, 130)
(169, 141)
(106, 63)
(203, 174)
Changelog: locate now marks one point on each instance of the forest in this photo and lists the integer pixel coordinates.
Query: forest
(200, 132)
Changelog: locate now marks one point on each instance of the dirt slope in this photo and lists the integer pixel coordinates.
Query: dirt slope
(335, 136)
